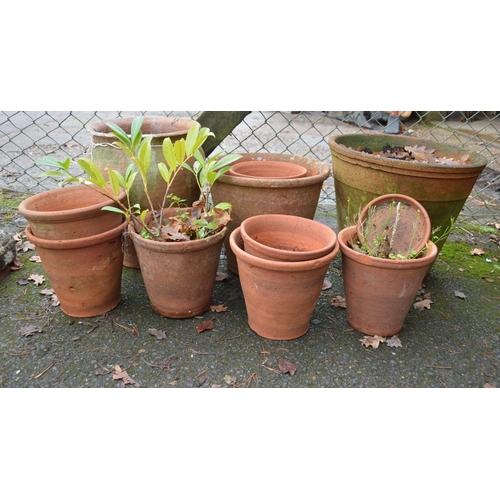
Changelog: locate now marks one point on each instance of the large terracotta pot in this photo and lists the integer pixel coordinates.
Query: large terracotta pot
(280, 297)
(380, 292)
(251, 197)
(286, 237)
(360, 177)
(105, 155)
(179, 276)
(69, 213)
(85, 273)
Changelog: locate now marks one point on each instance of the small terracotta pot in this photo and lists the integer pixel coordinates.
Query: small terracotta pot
(85, 273)
(286, 237)
(268, 170)
(70, 213)
(380, 292)
(269, 196)
(280, 297)
(396, 221)
(179, 276)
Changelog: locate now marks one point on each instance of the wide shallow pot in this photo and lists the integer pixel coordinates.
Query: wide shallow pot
(85, 273)
(268, 170)
(286, 237)
(105, 155)
(394, 223)
(280, 297)
(179, 276)
(360, 177)
(251, 197)
(380, 292)
(70, 213)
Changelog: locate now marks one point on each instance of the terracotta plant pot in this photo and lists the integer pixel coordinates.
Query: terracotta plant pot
(394, 223)
(269, 170)
(179, 276)
(69, 213)
(280, 297)
(105, 155)
(360, 177)
(286, 237)
(251, 197)
(85, 273)
(380, 292)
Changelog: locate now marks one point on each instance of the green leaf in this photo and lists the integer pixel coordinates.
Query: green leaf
(55, 173)
(203, 135)
(93, 172)
(145, 155)
(223, 206)
(135, 131)
(192, 139)
(164, 172)
(180, 151)
(227, 160)
(169, 152)
(130, 181)
(119, 133)
(114, 209)
(114, 181)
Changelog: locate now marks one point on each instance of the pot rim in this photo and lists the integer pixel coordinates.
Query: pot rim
(75, 213)
(324, 172)
(87, 241)
(425, 260)
(297, 171)
(184, 122)
(338, 148)
(276, 265)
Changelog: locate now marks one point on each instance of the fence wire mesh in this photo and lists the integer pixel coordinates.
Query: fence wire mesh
(26, 136)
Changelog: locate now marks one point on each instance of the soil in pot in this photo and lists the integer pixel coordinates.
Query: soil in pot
(379, 292)
(68, 213)
(280, 297)
(251, 197)
(286, 237)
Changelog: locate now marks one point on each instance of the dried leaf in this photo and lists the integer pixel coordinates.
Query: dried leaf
(372, 341)
(326, 284)
(25, 246)
(394, 341)
(29, 330)
(160, 335)
(122, 375)
(218, 308)
(54, 300)
(204, 325)
(16, 264)
(38, 279)
(237, 293)
(47, 291)
(230, 380)
(460, 295)
(35, 258)
(338, 301)
(477, 251)
(423, 304)
(221, 276)
(286, 366)
(22, 281)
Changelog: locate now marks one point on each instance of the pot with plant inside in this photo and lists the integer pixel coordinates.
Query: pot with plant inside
(178, 247)
(385, 258)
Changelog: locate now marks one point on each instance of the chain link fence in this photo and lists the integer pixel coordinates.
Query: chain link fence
(26, 136)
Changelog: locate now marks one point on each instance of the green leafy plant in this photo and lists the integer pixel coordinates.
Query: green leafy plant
(196, 222)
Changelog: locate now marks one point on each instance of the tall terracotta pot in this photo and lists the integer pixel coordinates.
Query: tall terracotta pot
(360, 177)
(69, 213)
(179, 276)
(280, 297)
(251, 197)
(105, 155)
(85, 273)
(380, 292)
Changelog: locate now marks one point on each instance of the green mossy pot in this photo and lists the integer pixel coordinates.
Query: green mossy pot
(361, 177)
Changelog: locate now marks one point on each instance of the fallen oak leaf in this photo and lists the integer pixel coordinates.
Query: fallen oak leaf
(38, 279)
(22, 281)
(327, 284)
(372, 340)
(159, 334)
(25, 246)
(286, 366)
(460, 295)
(204, 325)
(394, 341)
(122, 375)
(423, 304)
(35, 258)
(221, 276)
(16, 264)
(477, 251)
(218, 308)
(338, 301)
